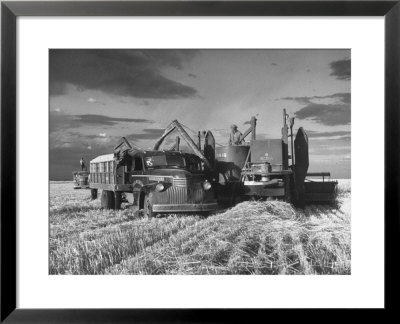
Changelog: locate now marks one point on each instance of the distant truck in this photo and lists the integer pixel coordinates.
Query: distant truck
(81, 179)
(155, 181)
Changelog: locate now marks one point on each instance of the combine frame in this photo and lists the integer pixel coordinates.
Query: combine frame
(265, 169)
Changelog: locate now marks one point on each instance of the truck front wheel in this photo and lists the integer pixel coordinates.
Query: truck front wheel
(148, 207)
(107, 199)
(93, 193)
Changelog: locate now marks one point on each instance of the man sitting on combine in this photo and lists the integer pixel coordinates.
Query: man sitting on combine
(234, 137)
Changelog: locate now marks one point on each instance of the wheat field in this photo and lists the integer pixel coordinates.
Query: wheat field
(270, 237)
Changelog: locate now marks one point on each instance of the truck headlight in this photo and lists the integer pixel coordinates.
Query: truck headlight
(206, 185)
(159, 187)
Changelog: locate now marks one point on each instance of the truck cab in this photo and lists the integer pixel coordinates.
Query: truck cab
(154, 181)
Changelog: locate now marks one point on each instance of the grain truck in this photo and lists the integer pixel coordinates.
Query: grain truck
(155, 181)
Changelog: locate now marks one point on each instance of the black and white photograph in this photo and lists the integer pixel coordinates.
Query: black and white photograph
(200, 161)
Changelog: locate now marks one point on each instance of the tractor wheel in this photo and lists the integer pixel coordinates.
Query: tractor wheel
(117, 199)
(148, 207)
(93, 193)
(107, 199)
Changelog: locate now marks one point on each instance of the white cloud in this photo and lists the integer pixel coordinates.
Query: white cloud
(324, 138)
(92, 100)
(64, 145)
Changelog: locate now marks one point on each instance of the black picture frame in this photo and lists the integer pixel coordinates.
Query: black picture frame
(11, 10)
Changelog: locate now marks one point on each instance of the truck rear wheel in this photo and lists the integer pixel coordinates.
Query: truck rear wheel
(107, 199)
(93, 193)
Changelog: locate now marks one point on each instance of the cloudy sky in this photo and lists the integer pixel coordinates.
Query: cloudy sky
(97, 96)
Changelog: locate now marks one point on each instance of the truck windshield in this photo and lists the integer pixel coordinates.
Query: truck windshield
(167, 160)
(193, 163)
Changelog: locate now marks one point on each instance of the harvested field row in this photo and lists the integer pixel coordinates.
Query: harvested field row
(251, 238)
(96, 250)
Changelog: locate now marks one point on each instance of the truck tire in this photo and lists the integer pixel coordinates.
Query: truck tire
(107, 199)
(117, 199)
(93, 194)
(148, 207)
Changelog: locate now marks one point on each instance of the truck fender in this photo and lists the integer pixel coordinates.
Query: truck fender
(141, 196)
(137, 187)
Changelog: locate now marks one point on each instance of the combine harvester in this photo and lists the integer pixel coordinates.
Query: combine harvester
(263, 168)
